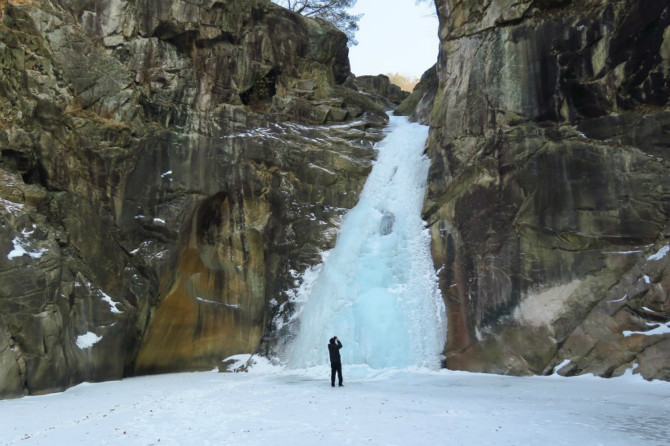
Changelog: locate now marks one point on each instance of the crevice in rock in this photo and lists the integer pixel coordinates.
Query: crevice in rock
(262, 90)
(210, 218)
(183, 40)
(16, 160)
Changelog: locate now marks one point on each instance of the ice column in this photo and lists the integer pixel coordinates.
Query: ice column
(377, 289)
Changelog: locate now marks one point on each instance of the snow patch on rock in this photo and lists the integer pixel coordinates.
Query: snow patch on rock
(544, 307)
(87, 340)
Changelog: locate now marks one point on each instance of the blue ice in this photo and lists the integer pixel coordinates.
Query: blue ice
(377, 289)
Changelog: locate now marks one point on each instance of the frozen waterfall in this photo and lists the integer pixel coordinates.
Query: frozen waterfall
(377, 288)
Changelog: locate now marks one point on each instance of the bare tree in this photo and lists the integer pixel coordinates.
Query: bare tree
(428, 3)
(334, 11)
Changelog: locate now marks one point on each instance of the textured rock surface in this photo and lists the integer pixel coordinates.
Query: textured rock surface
(167, 168)
(381, 90)
(549, 195)
(419, 103)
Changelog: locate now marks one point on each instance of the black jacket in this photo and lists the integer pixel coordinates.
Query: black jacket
(334, 350)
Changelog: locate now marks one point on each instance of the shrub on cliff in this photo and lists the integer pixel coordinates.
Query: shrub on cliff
(334, 11)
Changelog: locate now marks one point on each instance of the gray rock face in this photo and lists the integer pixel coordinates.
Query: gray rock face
(419, 103)
(167, 167)
(381, 90)
(549, 190)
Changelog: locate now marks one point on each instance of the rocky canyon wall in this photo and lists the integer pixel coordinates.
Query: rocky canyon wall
(168, 169)
(549, 194)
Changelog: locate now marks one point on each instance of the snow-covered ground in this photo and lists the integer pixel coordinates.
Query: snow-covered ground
(390, 407)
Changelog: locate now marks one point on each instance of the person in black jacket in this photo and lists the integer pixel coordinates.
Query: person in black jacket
(335, 361)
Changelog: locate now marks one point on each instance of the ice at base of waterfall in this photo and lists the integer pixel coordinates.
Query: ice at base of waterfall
(273, 406)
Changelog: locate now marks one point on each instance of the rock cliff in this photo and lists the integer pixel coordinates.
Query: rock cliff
(381, 90)
(419, 103)
(168, 168)
(549, 194)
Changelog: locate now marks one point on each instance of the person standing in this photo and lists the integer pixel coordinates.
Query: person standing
(335, 360)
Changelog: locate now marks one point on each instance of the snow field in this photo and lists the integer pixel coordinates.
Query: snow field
(389, 407)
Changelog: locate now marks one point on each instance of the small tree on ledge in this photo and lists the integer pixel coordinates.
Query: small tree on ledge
(335, 11)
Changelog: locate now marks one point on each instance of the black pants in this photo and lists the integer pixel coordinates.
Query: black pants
(335, 368)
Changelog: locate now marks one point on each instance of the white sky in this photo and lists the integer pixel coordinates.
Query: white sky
(394, 37)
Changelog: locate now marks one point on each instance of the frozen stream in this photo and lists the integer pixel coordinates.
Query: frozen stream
(377, 289)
